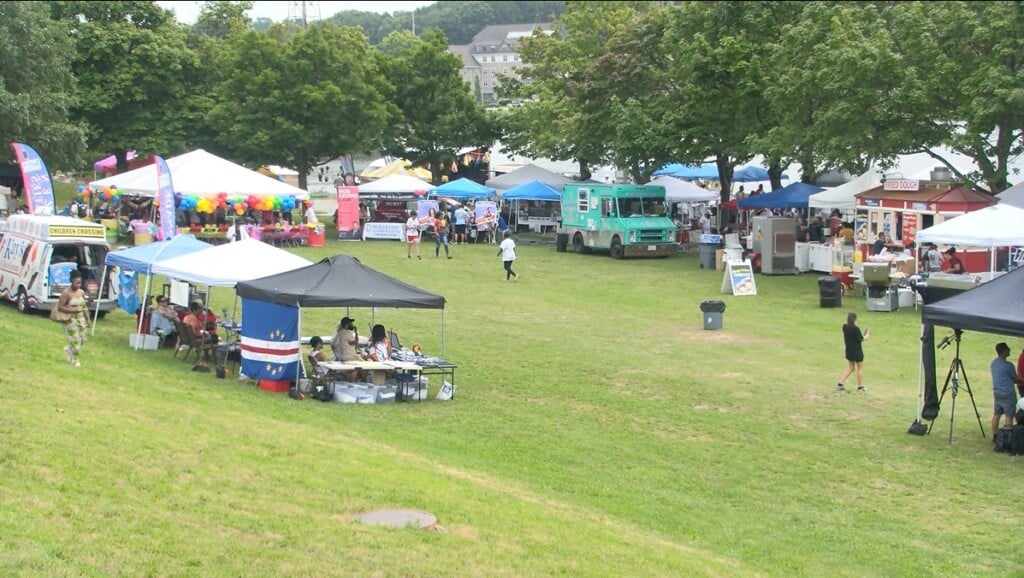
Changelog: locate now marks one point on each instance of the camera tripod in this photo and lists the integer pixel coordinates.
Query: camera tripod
(956, 369)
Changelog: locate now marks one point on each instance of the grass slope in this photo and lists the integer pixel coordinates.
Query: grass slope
(597, 431)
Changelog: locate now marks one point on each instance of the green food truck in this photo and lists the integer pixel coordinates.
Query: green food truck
(627, 220)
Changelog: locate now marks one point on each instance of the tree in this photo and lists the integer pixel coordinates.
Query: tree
(562, 106)
(301, 98)
(218, 20)
(130, 60)
(439, 115)
(36, 85)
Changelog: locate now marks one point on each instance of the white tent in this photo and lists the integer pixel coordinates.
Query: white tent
(226, 265)
(526, 174)
(842, 197)
(1000, 225)
(680, 191)
(200, 173)
(1013, 195)
(395, 184)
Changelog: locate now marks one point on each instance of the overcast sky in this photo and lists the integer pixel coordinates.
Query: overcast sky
(186, 12)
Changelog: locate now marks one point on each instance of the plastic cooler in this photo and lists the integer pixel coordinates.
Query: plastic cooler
(110, 225)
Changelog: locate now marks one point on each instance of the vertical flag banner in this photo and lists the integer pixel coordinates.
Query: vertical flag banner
(38, 186)
(348, 212)
(270, 340)
(165, 194)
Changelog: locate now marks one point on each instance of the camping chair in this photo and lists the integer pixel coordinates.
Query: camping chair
(186, 337)
(393, 343)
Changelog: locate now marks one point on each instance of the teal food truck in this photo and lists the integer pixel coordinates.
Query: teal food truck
(627, 220)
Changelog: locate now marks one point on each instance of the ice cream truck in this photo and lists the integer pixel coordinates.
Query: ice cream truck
(38, 253)
(627, 220)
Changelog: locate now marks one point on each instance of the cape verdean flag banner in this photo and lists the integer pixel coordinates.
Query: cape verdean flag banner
(165, 195)
(270, 340)
(38, 186)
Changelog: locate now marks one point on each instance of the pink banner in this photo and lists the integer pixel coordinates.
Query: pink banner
(348, 209)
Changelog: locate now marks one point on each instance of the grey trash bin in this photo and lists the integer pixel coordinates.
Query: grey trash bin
(830, 292)
(708, 251)
(712, 312)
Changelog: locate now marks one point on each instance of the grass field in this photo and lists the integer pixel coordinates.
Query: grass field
(598, 430)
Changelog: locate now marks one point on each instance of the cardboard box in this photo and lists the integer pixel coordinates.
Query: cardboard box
(720, 259)
(143, 341)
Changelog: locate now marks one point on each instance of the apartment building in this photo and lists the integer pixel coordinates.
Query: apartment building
(490, 54)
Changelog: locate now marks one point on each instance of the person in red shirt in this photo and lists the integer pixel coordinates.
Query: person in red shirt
(954, 264)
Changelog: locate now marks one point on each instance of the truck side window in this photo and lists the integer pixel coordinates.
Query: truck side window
(581, 204)
(608, 208)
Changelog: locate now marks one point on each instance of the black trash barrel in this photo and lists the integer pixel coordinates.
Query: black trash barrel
(712, 311)
(830, 292)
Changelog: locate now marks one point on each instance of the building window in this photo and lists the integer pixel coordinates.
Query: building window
(504, 70)
(504, 57)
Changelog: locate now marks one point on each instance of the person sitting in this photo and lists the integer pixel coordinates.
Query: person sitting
(316, 354)
(162, 320)
(193, 319)
(346, 341)
(380, 349)
(955, 265)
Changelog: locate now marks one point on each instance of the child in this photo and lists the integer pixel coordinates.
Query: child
(507, 252)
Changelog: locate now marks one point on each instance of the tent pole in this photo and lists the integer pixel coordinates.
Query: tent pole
(96, 313)
(442, 334)
(142, 312)
(298, 362)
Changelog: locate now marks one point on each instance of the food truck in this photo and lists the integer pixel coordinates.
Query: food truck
(38, 253)
(627, 220)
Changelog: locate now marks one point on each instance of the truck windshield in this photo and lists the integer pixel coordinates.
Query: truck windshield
(642, 207)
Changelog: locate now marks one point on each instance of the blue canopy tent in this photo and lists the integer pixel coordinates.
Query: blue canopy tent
(141, 259)
(681, 171)
(752, 174)
(463, 189)
(531, 191)
(794, 196)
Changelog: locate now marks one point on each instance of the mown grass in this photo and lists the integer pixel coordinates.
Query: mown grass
(598, 430)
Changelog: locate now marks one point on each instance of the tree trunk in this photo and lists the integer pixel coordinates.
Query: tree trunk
(584, 169)
(302, 166)
(725, 166)
(121, 156)
(775, 172)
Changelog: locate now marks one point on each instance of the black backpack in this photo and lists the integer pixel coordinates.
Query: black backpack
(1004, 438)
(1017, 440)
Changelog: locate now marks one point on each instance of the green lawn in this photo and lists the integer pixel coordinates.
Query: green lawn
(598, 430)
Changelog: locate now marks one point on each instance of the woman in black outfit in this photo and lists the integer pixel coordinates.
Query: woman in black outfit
(853, 338)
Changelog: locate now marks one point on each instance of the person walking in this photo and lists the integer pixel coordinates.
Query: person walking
(461, 217)
(507, 253)
(441, 230)
(70, 312)
(853, 338)
(412, 235)
(1004, 378)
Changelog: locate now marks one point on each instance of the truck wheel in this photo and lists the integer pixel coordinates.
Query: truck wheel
(561, 242)
(616, 248)
(577, 244)
(23, 301)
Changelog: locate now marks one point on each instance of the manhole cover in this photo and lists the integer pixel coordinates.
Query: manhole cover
(399, 519)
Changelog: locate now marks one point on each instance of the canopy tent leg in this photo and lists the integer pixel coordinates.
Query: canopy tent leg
(142, 313)
(298, 362)
(96, 313)
(442, 335)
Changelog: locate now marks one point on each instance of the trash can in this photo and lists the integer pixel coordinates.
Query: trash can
(708, 252)
(830, 291)
(316, 236)
(712, 311)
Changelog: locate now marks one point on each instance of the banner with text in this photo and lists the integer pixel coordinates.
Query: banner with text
(348, 211)
(165, 196)
(38, 186)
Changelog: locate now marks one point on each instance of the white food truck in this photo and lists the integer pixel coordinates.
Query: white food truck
(38, 253)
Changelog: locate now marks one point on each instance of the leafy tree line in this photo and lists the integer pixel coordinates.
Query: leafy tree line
(459, 21)
(85, 79)
(829, 85)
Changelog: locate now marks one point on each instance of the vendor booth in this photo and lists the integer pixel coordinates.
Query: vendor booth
(209, 191)
(462, 189)
(390, 199)
(141, 260)
(900, 208)
(528, 174)
(998, 226)
(533, 205)
(339, 281)
(395, 167)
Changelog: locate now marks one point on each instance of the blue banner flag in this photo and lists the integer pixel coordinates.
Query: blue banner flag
(270, 340)
(38, 186)
(165, 195)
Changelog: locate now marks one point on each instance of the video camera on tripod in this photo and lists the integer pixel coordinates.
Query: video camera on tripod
(947, 340)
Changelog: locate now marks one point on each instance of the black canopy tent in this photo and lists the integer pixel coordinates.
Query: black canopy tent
(993, 307)
(340, 281)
